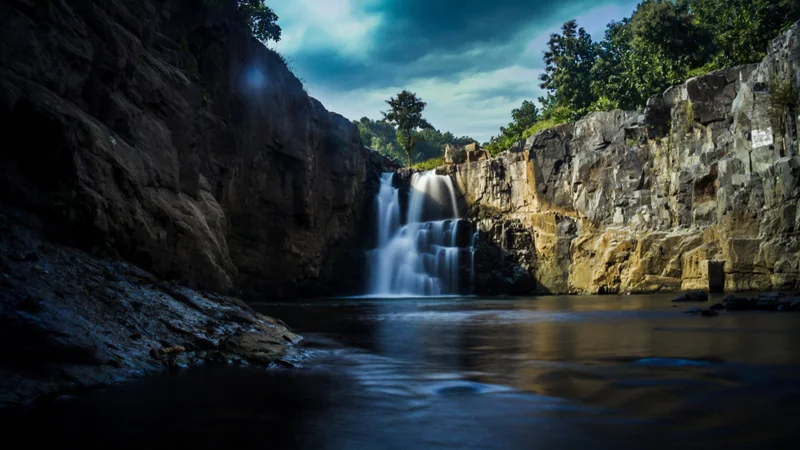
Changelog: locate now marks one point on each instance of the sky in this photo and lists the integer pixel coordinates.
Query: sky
(471, 61)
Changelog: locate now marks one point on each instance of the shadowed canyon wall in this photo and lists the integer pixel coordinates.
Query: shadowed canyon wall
(162, 131)
(699, 190)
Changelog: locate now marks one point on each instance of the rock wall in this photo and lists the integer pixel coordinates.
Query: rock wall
(697, 191)
(160, 130)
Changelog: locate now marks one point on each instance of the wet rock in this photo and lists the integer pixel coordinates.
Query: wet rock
(692, 296)
(769, 304)
(733, 303)
(81, 329)
(701, 312)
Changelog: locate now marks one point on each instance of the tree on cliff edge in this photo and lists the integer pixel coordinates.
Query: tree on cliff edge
(406, 116)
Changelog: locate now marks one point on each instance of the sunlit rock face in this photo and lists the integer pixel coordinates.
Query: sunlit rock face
(167, 134)
(700, 188)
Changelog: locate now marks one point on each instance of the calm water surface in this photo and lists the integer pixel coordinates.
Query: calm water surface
(627, 372)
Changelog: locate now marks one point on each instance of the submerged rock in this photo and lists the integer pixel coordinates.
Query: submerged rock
(691, 296)
(702, 312)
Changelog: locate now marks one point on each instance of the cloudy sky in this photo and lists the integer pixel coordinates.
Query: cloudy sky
(472, 61)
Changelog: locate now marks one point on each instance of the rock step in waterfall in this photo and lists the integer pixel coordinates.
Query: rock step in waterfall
(420, 257)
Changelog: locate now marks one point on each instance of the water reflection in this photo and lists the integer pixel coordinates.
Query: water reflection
(637, 356)
(549, 373)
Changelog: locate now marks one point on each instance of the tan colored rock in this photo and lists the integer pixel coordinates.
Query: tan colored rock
(677, 198)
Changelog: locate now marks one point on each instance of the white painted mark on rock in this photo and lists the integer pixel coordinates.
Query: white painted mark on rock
(762, 138)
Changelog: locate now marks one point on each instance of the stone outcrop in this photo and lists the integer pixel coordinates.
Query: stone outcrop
(162, 131)
(699, 190)
(69, 321)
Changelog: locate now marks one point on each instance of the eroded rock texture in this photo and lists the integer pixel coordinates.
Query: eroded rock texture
(697, 191)
(162, 131)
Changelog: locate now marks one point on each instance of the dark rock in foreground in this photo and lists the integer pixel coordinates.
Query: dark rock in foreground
(69, 321)
(691, 296)
(702, 312)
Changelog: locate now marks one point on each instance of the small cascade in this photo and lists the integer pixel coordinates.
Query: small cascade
(420, 257)
(473, 247)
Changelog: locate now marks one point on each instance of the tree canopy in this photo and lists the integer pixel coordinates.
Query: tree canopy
(663, 43)
(405, 114)
(263, 20)
(382, 137)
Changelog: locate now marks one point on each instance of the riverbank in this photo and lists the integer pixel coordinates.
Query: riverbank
(69, 320)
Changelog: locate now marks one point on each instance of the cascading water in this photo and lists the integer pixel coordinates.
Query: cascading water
(420, 257)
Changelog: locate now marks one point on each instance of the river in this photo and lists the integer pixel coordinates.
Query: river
(612, 372)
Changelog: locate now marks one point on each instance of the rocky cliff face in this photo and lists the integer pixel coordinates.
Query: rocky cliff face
(699, 190)
(162, 131)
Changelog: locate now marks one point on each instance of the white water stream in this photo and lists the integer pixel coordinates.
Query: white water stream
(420, 257)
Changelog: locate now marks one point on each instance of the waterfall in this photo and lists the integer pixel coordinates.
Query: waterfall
(420, 257)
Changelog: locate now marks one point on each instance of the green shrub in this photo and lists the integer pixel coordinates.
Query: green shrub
(429, 164)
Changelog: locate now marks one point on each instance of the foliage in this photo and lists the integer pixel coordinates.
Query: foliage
(541, 125)
(569, 59)
(662, 44)
(405, 114)
(521, 119)
(742, 29)
(206, 98)
(261, 18)
(69, 206)
(784, 99)
(382, 137)
(429, 164)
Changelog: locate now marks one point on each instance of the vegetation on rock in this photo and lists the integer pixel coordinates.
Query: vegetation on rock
(262, 19)
(663, 43)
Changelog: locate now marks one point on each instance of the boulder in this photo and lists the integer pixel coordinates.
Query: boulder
(454, 154)
(691, 296)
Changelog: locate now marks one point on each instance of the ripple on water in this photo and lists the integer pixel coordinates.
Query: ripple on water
(670, 362)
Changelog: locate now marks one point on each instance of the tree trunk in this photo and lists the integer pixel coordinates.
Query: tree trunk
(408, 154)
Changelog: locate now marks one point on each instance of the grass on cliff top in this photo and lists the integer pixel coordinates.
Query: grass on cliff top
(429, 164)
(539, 126)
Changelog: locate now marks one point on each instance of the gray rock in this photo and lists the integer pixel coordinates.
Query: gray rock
(454, 154)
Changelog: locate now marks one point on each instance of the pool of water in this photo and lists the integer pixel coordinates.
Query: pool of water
(625, 372)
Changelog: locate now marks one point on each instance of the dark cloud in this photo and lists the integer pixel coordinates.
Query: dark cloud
(443, 39)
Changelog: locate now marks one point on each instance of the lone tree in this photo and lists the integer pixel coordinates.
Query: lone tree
(262, 20)
(406, 117)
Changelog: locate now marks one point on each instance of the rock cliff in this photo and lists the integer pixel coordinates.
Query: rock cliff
(162, 131)
(699, 190)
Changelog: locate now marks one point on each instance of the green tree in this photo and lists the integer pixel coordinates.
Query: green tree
(569, 59)
(611, 78)
(406, 116)
(382, 137)
(522, 118)
(742, 29)
(262, 20)
(666, 43)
